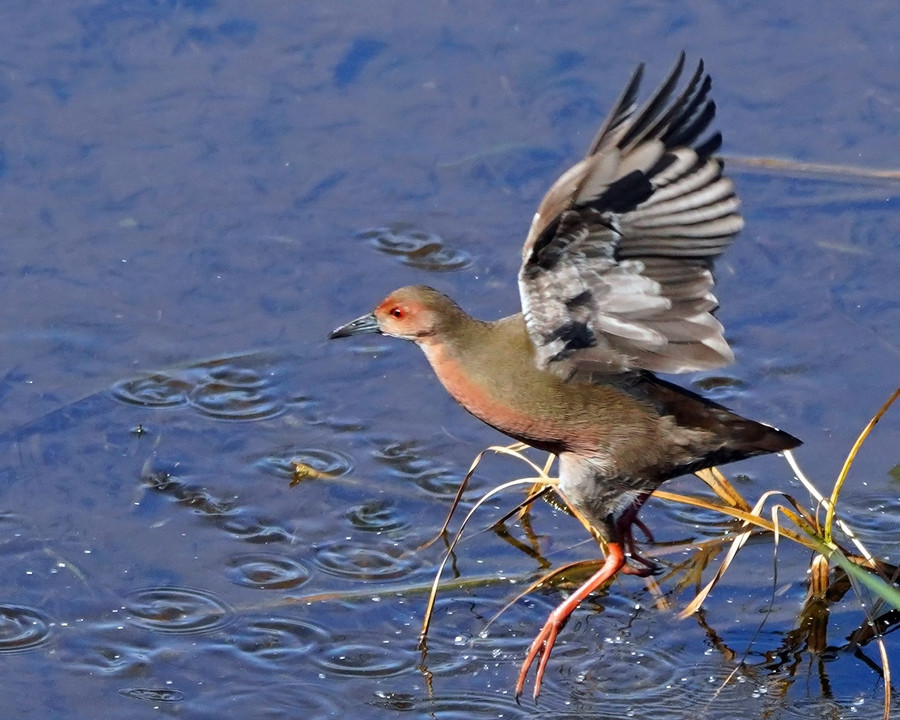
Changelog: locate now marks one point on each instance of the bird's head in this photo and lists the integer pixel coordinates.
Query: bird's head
(415, 312)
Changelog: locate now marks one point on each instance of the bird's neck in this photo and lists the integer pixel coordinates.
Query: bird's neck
(454, 357)
(483, 366)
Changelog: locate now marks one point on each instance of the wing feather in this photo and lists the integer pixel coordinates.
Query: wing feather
(616, 272)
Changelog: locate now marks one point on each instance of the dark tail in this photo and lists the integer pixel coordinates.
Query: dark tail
(748, 437)
(741, 438)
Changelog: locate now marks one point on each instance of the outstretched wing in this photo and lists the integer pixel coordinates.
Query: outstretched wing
(616, 270)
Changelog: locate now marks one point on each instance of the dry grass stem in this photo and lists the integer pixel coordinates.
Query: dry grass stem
(429, 611)
(796, 167)
(839, 483)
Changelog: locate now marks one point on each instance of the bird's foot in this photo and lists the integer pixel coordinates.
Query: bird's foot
(541, 648)
(546, 638)
(649, 567)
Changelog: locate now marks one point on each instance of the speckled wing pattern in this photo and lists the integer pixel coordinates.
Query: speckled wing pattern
(616, 271)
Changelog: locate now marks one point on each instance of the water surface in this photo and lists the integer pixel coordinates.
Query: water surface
(192, 194)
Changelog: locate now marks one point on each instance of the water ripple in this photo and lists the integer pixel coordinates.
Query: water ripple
(367, 561)
(153, 694)
(224, 401)
(631, 670)
(177, 610)
(414, 461)
(877, 517)
(115, 657)
(157, 390)
(690, 520)
(602, 659)
(360, 659)
(224, 388)
(259, 530)
(315, 413)
(21, 628)
(422, 250)
(470, 706)
(282, 699)
(236, 376)
(376, 516)
(313, 461)
(266, 572)
(200, 500)
(274, 640)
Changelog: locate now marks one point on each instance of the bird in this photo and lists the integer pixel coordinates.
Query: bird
(616, 285)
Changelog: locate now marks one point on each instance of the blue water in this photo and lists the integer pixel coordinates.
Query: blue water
(192, 194)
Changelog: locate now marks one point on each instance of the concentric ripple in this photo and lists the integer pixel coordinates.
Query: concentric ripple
(229, 388)
(252, 528)
(296, 698)
(157, 390)
(693, 520)
(198, 499)
(266, 572)
(417, 249)
(276, 639)
(877, 516)
(317, 462)
(227, 401)
(236, 376)
(376, 516)
(21, 628)
(177, 610)
(365, 561)
(360, 659)
(630, 670)
(414, 461)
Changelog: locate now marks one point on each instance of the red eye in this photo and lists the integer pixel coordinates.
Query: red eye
(398, 313)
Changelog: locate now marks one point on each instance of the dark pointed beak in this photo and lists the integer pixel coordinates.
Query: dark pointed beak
(364, 324)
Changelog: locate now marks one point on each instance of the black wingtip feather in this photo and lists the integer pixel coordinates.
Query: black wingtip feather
(688, 133)
(673, 114)
(709, 147)
(654, 105)
(621, 110)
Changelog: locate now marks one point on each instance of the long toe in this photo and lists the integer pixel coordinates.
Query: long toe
(543, 643)
(542, 646)
(647, 568)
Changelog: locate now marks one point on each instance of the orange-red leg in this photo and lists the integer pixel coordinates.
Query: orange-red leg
(543, 643)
